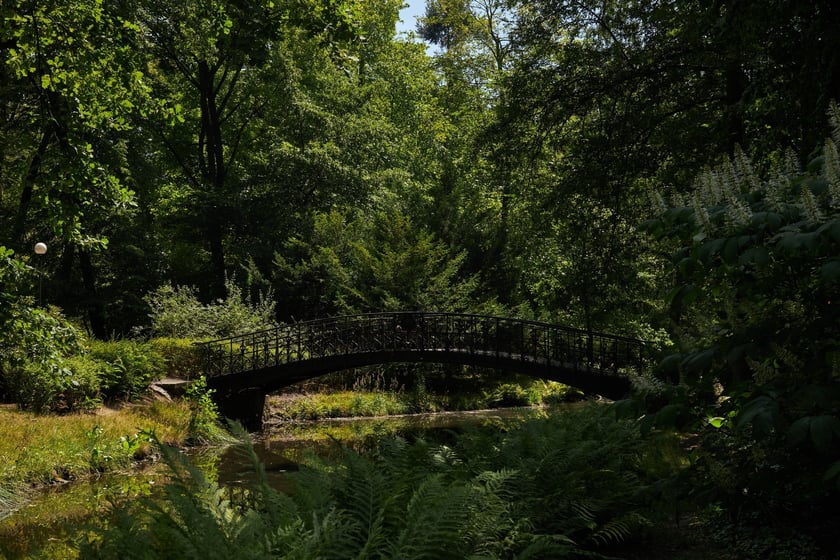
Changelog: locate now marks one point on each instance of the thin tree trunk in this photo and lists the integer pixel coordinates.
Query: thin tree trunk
(19, 229)
(96, 311)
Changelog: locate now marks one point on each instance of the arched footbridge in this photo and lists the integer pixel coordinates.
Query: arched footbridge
(243, 369)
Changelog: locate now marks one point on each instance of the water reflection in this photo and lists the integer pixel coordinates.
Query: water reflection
(281, 447)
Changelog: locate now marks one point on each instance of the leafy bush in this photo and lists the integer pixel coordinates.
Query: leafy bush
(755, 302)
(34, 347)
(83, 389)
(176, 312)
(180, 356)
(34, 386)
(508, 394)
(65, 385)
(204, 414)
(128, 369)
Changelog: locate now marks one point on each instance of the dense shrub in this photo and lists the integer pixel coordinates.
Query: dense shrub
(177, 312)
(755, 305)
(65, 385)
(34, 347)
(83, 390)
(181, 357)
(128, 367)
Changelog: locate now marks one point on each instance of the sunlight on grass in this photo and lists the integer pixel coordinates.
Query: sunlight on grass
(46, 448)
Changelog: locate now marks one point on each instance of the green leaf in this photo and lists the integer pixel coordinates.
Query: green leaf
(770, 220)
(700, 361)
(824, 429)
(798, 431)
(830, 271)
(758, 256)
(730, 250)
(716, 421)
(710, 249)
(762, 413)
(794, 241)
(831, 230)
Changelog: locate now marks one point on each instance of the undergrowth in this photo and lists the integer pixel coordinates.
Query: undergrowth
(49, 448)
(374, 394)
(567, 486)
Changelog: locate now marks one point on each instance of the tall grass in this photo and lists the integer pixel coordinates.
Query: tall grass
(374, 400)
(40, 449)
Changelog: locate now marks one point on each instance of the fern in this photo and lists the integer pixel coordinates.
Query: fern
(619, 529)
(528, 493)
(433, 519)
(362, 492)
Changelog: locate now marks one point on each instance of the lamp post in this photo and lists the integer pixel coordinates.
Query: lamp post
(40, 249)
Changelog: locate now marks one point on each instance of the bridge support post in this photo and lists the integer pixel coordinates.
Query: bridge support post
(246, 406)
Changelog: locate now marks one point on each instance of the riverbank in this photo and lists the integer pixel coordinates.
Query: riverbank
(459, 394)
(52, 469)
(47, 449)
(47, 529)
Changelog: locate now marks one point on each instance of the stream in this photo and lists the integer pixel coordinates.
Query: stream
(281, 446)
(57, 514)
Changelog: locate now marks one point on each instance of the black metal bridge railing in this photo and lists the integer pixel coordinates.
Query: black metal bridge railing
(425, 334)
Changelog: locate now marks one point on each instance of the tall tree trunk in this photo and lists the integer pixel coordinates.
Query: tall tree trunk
(95, 307)
(211, 157)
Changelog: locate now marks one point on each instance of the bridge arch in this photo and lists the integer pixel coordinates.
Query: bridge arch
(243, 369)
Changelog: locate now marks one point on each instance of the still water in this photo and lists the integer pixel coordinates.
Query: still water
(47, 524)
(280, 447)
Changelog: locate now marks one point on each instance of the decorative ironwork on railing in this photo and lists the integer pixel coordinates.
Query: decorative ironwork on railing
(425, 334)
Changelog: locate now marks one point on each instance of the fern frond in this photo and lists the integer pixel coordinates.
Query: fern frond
(549, 546)
(619, 529)
(834, 120)
(432, 522)
(362, 493)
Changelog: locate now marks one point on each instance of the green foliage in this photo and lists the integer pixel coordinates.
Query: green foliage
(72, 385)
(181, 357)
(128, 367)
(74, 95)
(372, 263)
(508, 394)
(177, 313)
(204, 414)
(756, 306)
(34, 347)
(530, 492)
(343, 404)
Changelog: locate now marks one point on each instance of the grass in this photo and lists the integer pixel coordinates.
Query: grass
(338, 404)
(44, 449)
(373, 394)
(38, 453)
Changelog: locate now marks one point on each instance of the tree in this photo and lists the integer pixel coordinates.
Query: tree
(73, 86)
(755, 307)
(370, 263)
(604, 98)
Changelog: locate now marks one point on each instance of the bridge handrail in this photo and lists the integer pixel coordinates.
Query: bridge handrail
(392, 314)
(309, 339)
